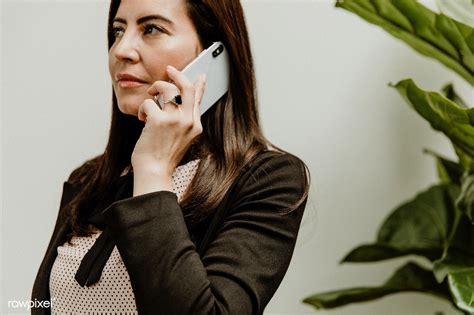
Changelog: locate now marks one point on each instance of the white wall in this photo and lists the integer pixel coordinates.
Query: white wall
(322, 77)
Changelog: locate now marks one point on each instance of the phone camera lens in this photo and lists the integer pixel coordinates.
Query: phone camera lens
(218, 51)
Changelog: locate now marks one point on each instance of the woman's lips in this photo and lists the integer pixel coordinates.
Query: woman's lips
(128, 84)
(127, 80)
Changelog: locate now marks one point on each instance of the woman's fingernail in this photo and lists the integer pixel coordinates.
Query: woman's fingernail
(203, 78)
(171, 68)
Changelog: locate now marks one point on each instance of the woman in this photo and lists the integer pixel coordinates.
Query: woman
(181, 214)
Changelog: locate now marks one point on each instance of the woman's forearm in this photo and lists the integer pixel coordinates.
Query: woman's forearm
(147, 182)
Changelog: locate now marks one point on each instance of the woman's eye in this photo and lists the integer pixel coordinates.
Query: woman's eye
(152, 29)
(118, 31)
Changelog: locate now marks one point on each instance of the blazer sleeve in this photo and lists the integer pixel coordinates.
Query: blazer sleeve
(242, 266)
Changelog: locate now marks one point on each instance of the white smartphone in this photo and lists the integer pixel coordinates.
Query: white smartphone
(214, 62)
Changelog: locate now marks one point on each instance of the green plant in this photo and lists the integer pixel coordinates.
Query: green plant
(437, 224)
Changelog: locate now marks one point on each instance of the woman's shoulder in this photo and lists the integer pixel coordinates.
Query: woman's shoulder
(274, 169)
(278, 179)
(275, 160)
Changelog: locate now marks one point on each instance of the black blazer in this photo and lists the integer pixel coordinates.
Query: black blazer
(233, 264)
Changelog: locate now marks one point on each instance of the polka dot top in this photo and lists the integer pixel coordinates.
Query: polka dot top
(113, 293)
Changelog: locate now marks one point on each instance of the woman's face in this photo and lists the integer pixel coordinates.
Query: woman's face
(149, 35)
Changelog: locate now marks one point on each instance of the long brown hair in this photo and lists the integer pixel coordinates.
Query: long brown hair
(231, 135)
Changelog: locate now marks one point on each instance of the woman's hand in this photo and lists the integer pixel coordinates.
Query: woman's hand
(168, 132)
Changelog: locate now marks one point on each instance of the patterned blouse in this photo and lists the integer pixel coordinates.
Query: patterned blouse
(113, 293)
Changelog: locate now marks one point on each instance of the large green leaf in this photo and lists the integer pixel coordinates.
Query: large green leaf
(442, 114)
(461, 284)
(380, 251)
(433, 35)
(410, 277)
(421, 226)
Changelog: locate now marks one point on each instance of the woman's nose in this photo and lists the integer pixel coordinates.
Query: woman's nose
(127, 48)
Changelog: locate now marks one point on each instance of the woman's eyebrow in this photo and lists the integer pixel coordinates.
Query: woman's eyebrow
(147, 18)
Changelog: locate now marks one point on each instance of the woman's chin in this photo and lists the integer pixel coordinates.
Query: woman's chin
(128, 108)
